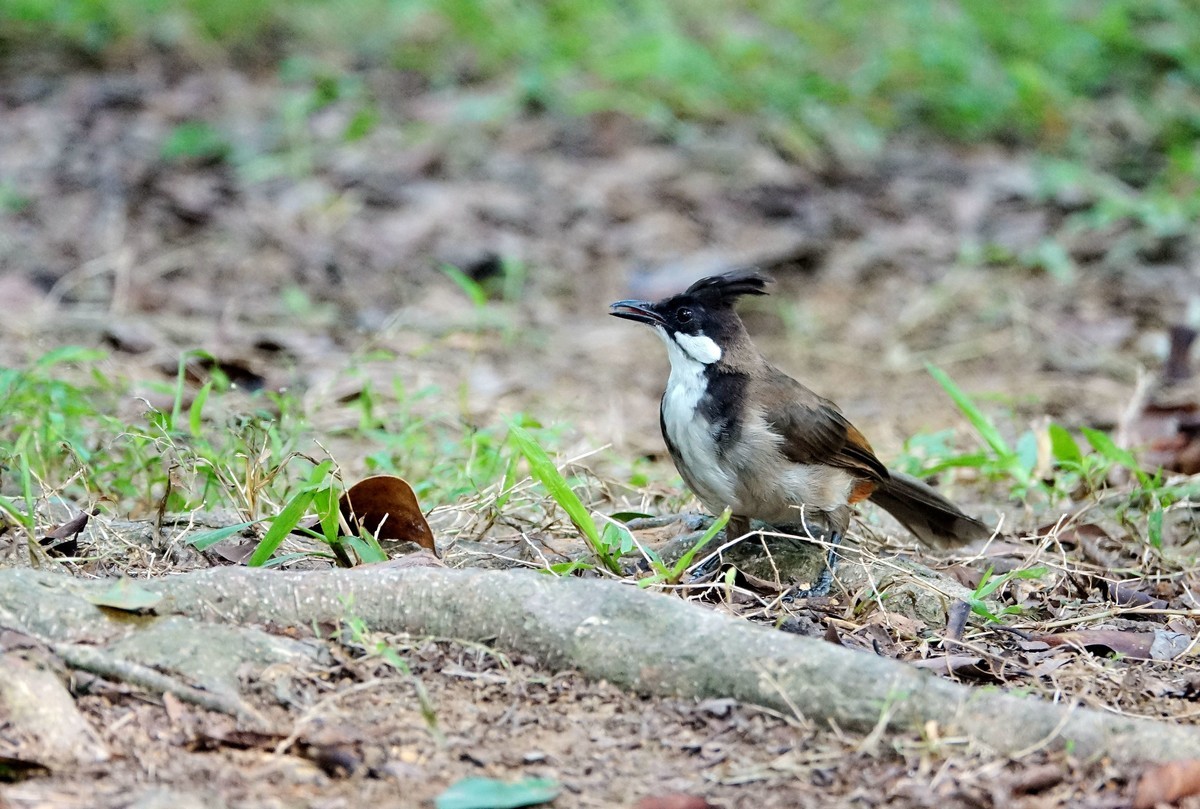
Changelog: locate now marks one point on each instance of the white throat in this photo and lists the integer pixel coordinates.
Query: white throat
(694, 347)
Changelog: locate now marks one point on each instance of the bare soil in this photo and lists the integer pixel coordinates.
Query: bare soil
(292, 279)
(365, 739)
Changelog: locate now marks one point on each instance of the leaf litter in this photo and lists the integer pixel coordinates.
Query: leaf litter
(1087, 631)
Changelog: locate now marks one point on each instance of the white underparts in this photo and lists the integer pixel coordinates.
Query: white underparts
(689, 432)
(753, 476)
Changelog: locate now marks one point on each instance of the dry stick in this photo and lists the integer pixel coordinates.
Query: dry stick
(653, 644)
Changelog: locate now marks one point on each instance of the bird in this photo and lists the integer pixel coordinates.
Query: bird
(746, 436)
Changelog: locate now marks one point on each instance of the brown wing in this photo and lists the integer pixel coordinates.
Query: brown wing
(814, 430)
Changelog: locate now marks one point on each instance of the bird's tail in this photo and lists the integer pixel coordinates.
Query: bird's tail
(932, 518)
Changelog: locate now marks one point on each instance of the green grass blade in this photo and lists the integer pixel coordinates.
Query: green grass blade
(367, 551)
(1064, 446)
(290, 557)
(328, 506)
(685, 561)
(177, 400)
(546, 473)
(469, 286)
(506, 485)
(27, 495)
(281, 526)
(289, 517)
(1154, 528)
(196, 411)
(68, 354)
(986, 584)
(206, 539)
(979, 420)
(1103, 443)
(973, 460)
(10, 508)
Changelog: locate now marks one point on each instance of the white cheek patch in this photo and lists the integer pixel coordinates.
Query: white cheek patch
(700, 348)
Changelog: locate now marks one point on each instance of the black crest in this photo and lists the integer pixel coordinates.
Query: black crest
(729, 286)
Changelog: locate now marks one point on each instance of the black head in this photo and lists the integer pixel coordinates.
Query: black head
(701, 320)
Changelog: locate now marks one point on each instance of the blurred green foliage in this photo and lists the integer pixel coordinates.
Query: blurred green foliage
(1111, 83)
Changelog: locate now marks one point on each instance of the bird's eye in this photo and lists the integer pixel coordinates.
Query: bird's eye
(684, 316)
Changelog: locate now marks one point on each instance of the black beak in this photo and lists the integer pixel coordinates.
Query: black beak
(641, 311)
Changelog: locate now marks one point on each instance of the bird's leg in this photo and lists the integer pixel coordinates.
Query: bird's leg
(738, 526)
(824, 581)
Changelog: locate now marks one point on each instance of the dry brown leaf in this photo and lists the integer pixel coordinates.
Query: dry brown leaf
(947, 664)
(956, 619)
(386, 506)
(1120, 641)
(236, 550)
(762, 585)
(1167, 783)
(64, 539)
(1168, 436)
(1126, 595)
(1155, 645)
(1161, 424)
(1037, 779)
(675, 800)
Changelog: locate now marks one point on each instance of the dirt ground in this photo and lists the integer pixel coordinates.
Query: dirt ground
(507, 719)
(318, 251)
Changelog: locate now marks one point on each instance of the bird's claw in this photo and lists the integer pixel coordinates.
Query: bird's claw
(824, 582)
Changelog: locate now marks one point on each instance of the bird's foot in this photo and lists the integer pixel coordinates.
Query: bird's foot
(775, 556)
(824, 582)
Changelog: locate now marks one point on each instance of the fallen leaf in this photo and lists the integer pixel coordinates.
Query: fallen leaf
(1049, 666)
(336, 760)
(236, 551)
(956, 619)
(947, 664)
(1037, 779)
(1161, 424)
(675, 800)
(64, 540)
(125, 595)
(217, 735)
(488, 793)
(1177, 367)
(1167, 783)
(1124, 594)
(833, 636)
(1156, 645)
(966, 576)
(385, 506)
(1117, 641)
(131, 337)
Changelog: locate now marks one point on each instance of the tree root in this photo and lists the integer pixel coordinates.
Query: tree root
(651, 643)
(107, 664)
